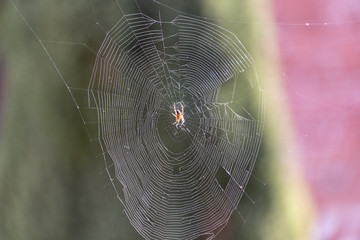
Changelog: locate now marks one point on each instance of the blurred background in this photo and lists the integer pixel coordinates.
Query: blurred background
(305, 181)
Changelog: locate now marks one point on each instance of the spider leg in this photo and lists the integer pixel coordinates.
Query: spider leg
(174, 109)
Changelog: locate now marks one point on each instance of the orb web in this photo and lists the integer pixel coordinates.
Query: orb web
(176, 182)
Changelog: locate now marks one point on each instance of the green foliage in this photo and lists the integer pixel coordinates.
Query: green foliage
(51, 185)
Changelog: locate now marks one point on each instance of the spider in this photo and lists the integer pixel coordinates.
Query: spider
(179, 116)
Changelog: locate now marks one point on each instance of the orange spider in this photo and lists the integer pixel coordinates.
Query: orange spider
(179, 116)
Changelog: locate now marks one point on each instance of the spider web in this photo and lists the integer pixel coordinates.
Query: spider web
(175, 182)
